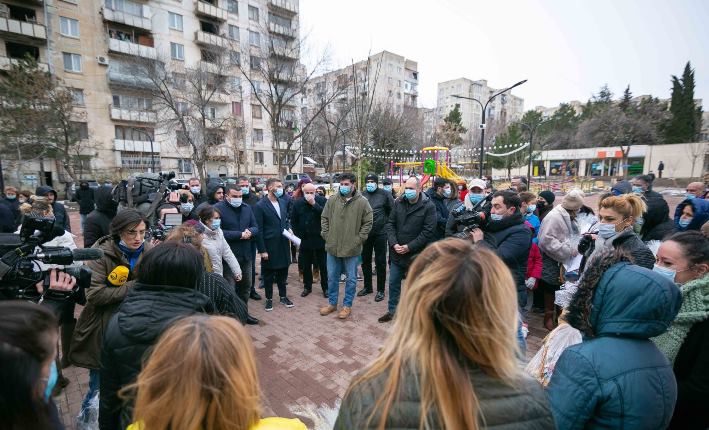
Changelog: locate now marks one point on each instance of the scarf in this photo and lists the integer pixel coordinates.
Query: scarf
(130, 254)
(694, 309)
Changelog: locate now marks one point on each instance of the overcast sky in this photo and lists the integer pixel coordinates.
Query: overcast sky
(566, 49)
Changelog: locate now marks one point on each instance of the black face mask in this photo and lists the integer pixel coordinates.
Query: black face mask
(541, 204)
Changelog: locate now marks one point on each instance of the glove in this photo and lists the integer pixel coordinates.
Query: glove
(530, 282)
(584, 243)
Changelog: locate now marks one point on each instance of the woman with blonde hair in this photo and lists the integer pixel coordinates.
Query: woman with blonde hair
(189, 234)
(218, 387)
(451, 361)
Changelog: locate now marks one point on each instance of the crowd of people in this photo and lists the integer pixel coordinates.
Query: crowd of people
(465, 265)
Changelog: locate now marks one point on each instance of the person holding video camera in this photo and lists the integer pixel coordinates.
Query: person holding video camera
(61, 219)
(111, 279)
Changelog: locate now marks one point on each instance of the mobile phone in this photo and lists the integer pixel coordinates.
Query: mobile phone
(172, 220)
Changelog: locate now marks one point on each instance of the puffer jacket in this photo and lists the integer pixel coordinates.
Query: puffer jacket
(381, 202)
(554, 242)
(413, 225)
(523, 406)
(99, 220)
(701, 213)
(219, 251)
(145, 314)
(618, 379)
(345, 224)
(103, 300)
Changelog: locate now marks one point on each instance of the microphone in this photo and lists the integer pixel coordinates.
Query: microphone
(118, 276)
(65, 256)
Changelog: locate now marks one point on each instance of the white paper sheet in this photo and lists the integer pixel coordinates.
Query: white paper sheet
(573, 263)
(293, 238)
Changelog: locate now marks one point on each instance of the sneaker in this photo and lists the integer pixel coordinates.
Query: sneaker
(285, 301)
(344, 312)
(386, 318)
(327, 310)
(379, 297)
(269, 305)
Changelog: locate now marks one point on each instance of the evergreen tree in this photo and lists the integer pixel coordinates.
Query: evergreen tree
(686, 121)
(449, 132)
(627, 101)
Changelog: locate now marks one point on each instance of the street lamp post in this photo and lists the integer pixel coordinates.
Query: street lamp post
(482, 123)
(532, 129)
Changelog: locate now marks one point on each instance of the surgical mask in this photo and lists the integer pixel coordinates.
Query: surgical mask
(216, 223)
(460, 187)
(689, 196)
(638, 190)
(11, 197)
(235, 201)
(388, 188)
(684, 222)
(447, 192)
(187, 207)
(51, 381)
(344, 190)
(371, 187)
(606, 230)
(664, 271)
(245, 190)
(496, 217)
(195, 190)
(475, 198)
(410, 194)
(531, 208)
(279, 192)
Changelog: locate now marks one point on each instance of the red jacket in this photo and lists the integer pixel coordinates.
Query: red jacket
(534, 262)
(462, 194)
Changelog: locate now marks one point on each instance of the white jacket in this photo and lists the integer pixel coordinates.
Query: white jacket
(219, 250)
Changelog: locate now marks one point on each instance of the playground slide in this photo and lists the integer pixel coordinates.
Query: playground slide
(425, 179)
(447, 173)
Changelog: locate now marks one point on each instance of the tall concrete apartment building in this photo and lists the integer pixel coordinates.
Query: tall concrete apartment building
(90, 44)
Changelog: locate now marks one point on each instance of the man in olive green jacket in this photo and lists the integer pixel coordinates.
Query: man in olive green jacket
(346, 221)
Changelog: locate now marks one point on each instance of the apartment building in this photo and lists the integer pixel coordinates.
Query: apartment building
(92, 46)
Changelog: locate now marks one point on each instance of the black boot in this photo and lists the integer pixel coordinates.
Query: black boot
(306, 292)
(254, 295)
(364, 291)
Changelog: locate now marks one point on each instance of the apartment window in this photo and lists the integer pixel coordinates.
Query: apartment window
(232, 6)
(236, 83)
(239, 133)
(213, 138)
(131, 133)
(181, 138)
(279, 20)
(80, 129)
(235, 58)
(78, 96)
(126, 6)
(139, 160)
(236, 108)
(211, 112)
(175, 20)
(253, 13)
(257, 86)
(72, 62)
(254, 38)
(132, 102)
(257, 135)
(179, 80)
(255, 62)
(184, 166)
(181, 108)
(177, 51)
(233, 32)
(258, 157)
(256, 112)
(68, 26)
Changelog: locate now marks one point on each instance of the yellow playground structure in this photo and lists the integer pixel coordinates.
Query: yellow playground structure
(435, 162)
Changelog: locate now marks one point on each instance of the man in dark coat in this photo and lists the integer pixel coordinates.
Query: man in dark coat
(511, 239)
(7, 220)
(13, 203)
(215, 194)
(85, 197)
(382, 203)
(655, 219)
(196, 190)
(61, 219)
(240, 230)
(272, 218)
(305, 219)
(435, 193)
(250, 197)
(411, 226)
(98, 221)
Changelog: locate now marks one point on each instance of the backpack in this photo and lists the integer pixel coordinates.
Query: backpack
(142, 191)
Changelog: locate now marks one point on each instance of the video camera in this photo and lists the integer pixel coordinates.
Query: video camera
(471, 219)
(21, 254)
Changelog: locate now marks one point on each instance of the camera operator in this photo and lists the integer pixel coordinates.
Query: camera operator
(475, 199)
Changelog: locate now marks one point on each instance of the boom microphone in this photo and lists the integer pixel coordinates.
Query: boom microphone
(66, 256)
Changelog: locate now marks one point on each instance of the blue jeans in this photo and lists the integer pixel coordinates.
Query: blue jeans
(396, 275)
(336, 266)
(93, 388)
(520, 337)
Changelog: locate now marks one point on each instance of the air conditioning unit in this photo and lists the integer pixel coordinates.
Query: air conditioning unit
(102, 60)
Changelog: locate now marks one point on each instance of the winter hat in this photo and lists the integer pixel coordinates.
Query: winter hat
(479, 183)
(372, 177)
(303, 182)
(548, 196)
(387, 181)
(622, 187)
(573, 200)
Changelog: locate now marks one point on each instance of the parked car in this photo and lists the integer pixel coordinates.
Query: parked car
(294, 178)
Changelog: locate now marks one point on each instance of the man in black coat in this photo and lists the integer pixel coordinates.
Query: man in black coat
(382, 203)
(250, 197)
(655, 225)
(305, 219)
(272, 218)
(13, 203)
(436, 194)
(61, 219)
(508, 235)
(410, 228)
(85, 197)
(98, 221)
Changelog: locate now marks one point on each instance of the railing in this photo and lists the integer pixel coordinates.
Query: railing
(135, 145)
(211, 10)
(132, 115)
(284, 5)
(127, 18)
(210, 39)
(24, 28)
(279, 29)
(6, 63)
(130, 48)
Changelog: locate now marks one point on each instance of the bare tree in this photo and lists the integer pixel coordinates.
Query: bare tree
(365, 78)
(694, 151)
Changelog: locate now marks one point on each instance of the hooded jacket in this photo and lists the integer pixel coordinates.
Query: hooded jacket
(144, 315)
(345, 224)
(618, 379)
(413, 225)
(61, 218)
(654, 219)
(210, 200)
(701, 213)
(99, 220)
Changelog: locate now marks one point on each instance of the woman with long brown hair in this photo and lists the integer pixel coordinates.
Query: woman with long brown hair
(451, 361)
(218, 387)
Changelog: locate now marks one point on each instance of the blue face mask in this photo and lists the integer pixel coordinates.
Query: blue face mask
(186, 207)
(279, 192)
(51, 381)
(235, 201)
(606, 230)
(684, 222)
(496, 217)
(410, 194)
(638, 190)
(371, 187)
(664, 271)
(245, 190)
(446, 192)
(216, 223)
(11, 197)
(689, 196)
(195, 190)
(531, 208)
(388, 188)
(344, 190)
(475, 198)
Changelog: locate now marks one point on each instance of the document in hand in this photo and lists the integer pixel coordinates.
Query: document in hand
(293, 238)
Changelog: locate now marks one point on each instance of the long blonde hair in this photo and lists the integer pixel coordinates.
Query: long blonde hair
(459, 310)
(201, 375)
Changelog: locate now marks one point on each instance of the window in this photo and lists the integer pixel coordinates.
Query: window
(235, 58)
(256, 112)
(253, 13)
(257, 86)
(126, 6)
(139, 160)
(181, 138)
(233, 32)
(236, 83)
(255, 62)
(258, 157)
(78, 96)
(177, 51)
(179, 80)
(80, 129)
(68, 26)
(213, 138)
(184, 166)
(133, 133)
(257, 135)
(211, 112)
(232, 6)
(181, 108)
(254, 38)
(175, 21)
(236, 108)
(72, 62)
(279, 20)
(132, 102)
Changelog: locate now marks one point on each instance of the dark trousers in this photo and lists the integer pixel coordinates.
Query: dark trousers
(376, 245)
(274, 275)
(253, 270)
(309, 258)
(243, 287)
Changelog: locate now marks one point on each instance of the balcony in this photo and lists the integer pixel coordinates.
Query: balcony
(6, 63)
(128, 19)
(281, 30)
(129, 48)
(23, 29)
(132, 115)
(120, 78)
(284, 6)
(284, 52)
(211, 11)
(135, 146)
(204, 38)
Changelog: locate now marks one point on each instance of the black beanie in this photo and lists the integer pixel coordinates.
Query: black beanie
(387, 181)
(372, 177)
(548, 196)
